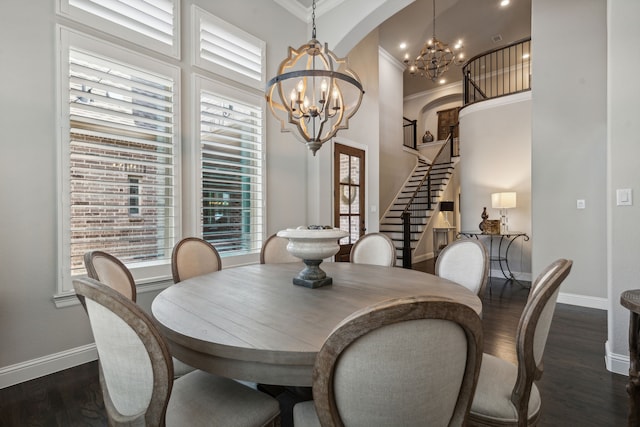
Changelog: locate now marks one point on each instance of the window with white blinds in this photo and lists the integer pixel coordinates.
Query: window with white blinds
(232, 162)
(227, 50)
(123, 163)
(121, 157)
(149, 23)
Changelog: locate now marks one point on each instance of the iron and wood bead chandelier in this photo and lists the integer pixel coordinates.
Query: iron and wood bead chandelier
(434, 57)
(315, 93)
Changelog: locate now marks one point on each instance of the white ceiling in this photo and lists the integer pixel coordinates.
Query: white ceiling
(476, 22)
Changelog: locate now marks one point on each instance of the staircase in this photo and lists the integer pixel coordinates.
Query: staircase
(421, 192)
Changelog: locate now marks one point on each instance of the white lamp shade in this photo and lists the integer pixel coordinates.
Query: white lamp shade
(503, 200)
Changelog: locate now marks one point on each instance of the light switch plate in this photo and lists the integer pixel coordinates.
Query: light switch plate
(580, 204)
(624, 197)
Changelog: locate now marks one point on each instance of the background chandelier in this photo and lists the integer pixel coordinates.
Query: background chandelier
(315, 93)
(434, 57)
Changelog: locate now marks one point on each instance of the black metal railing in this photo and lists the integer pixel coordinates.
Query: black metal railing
(499, 72)
(421, 202)
(454, 146)
(410, 132)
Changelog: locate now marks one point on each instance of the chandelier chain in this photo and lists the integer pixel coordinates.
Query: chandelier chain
(434, 20)
(313, 19)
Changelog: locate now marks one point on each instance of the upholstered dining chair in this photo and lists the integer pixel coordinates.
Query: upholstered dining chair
(136, 373)
(465, 262)
(506, 394)
(543, 278)
(109, 270)
(374, 248)
(408, 361)
(192, 257)
(274, 251)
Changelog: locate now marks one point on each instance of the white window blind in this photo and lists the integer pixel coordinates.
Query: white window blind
(155, 20)
(228, 50)
(231, 138)
(121, 160)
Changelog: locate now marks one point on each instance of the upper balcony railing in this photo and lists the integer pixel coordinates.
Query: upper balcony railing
(499, 72)
(409, 129)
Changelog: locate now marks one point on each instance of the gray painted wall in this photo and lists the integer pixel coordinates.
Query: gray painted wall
(569, 141)
(623, 171)
(31, 327)
(30, 324)
(394, 159)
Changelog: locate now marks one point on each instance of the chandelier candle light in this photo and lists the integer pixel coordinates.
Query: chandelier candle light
(435, 56)
(503, 201)
(315, 93)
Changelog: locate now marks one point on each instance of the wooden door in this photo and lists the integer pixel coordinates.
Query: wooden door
(348, 190)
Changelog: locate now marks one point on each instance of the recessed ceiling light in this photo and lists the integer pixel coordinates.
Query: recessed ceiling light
(403, 45)
(504, 3)
(525, 56)
(442, 81)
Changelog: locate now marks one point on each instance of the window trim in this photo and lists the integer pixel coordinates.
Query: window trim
(66, 38)
(200, 83)
(63, 8)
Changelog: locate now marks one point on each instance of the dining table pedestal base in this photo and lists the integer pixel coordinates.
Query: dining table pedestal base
(312, 276)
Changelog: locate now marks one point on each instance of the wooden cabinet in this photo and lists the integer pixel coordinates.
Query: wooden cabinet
(446, 119)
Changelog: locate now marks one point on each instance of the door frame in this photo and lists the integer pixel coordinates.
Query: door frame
(362, 194)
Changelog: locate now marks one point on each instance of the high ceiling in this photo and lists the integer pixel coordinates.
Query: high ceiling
(481, 24)
(477, 22)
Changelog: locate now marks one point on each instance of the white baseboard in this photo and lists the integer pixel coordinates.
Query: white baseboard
(616, 363)
(423, 257)
(525, 277)
(36, 368)
(583, 301)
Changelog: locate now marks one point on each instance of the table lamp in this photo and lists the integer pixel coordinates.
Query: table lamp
(503, 201)
(446, 207)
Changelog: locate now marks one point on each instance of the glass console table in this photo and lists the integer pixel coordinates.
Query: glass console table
(505, 240)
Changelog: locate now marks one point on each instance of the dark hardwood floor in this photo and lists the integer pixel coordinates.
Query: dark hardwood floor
(576, 388)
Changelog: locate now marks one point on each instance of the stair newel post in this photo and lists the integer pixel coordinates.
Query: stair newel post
(451, 150)
(429, 192)
(415, 134)
(406, 239)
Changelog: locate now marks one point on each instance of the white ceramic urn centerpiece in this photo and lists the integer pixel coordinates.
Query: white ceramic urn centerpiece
(312, 244)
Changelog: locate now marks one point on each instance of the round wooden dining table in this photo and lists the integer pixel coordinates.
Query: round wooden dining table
(252, 323)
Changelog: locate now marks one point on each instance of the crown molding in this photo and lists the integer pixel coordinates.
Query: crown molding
(448, 88)
(304, 13)
(392, 60)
